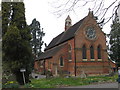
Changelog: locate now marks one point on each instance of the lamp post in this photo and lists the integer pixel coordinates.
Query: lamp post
(23, 70)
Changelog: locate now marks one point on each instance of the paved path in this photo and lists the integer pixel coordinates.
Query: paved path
(104, 85)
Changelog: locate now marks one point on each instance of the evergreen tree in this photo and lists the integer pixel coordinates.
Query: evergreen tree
(115, 42)
(37, 35)
(6, 10)
(17, 51)
(0, 24)
(18, 13)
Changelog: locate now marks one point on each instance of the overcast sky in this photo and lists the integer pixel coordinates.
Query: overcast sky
(42, 11)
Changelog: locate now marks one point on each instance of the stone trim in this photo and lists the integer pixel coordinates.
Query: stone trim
(99, 59)
(92, 59)
(84, 60)
(70, 60)
(91, 66)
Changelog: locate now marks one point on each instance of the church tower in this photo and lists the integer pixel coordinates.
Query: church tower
(68, 23)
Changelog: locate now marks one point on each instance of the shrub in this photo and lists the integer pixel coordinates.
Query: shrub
(28, 85)
(11, 84)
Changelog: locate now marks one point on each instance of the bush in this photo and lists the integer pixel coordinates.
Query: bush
(28, 85)
(7, 76)
(11, 84)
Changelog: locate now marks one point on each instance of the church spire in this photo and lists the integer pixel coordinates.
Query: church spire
(68, 23)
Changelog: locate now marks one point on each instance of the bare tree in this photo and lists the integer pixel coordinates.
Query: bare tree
(100, 8)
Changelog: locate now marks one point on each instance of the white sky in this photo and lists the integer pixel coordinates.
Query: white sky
(41, 10)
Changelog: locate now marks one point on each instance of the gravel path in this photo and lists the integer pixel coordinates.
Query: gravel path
(104, 85)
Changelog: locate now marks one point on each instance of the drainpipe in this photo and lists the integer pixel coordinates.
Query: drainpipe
(75, 57)
(44, 68)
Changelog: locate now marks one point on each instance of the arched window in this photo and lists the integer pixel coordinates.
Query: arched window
(84, 56)
(92, 52)
(61, 61)
(99, 52)
(69, 53)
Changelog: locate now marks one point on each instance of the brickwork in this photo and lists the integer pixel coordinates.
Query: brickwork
(81, 39)
(88, 66)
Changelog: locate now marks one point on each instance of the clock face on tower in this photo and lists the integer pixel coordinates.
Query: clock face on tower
(91, 33)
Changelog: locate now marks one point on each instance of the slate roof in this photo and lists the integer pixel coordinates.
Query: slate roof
(49, 53)
(64, 36)
(61, 38)
(54, 41)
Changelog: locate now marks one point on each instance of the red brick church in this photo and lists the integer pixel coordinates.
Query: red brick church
(80, 48)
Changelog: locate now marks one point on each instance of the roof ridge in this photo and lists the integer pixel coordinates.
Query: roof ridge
(48, 47)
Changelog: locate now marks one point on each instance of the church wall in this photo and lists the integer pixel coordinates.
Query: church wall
(48, 64)
(68, 64)
(81, 39)
(62, 52)
(93, 67)
(88, 65)
(36, 65)
(72, 62)
(53, 63)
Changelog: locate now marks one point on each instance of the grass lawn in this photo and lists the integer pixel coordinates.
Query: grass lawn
(72, 81)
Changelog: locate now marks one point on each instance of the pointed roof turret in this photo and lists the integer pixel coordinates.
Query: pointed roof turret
(68, 18)
(68, 23)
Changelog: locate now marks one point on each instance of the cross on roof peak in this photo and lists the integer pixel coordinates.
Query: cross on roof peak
(89, 9)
